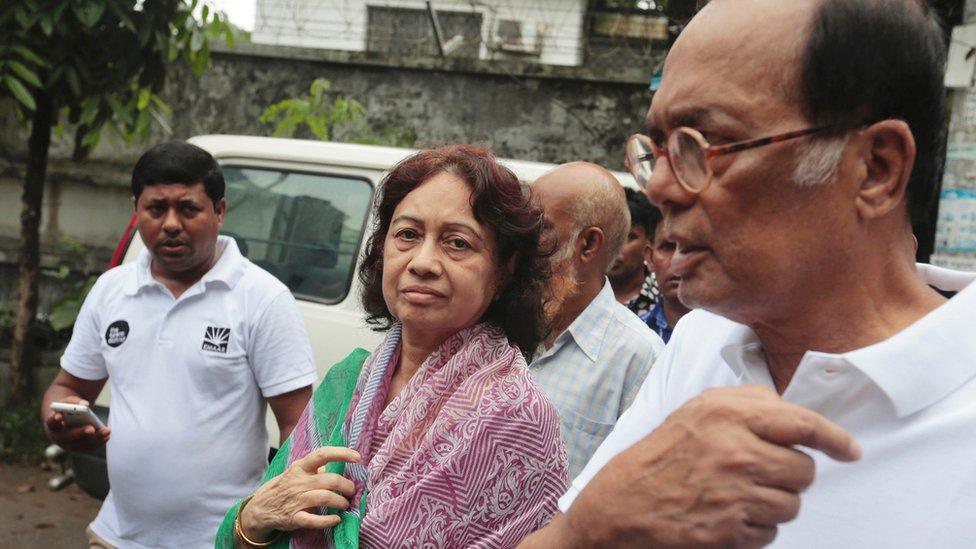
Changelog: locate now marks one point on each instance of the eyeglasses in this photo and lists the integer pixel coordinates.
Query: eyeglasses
(690, 155)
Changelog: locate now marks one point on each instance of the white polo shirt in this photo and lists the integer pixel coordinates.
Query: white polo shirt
(188, 378)
(910, 401)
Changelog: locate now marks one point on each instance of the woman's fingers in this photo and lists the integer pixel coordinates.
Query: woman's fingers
(324, 498)
(318, 458)
(304, 519)
(334, 482)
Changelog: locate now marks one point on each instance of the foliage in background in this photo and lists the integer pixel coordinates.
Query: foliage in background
(325, 114)
(93, 63)
(102, 61)
(22, 439)
(64, 311)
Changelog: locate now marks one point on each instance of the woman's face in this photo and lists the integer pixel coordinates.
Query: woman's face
(439, 267)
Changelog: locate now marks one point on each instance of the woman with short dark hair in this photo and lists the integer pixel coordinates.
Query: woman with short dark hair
(438, 438)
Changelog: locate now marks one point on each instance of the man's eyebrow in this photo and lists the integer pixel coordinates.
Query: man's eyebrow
(694, 117)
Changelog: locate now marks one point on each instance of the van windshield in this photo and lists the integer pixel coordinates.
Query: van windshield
(304, 228)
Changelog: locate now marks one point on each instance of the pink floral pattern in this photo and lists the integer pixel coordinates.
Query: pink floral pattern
(472, 455)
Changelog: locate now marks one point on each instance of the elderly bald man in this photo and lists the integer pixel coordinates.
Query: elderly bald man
(791, 141)
(598, 352)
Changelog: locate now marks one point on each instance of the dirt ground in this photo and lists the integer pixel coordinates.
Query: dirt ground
(31, 516)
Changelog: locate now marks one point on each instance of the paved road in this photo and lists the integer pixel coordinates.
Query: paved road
(41, 518)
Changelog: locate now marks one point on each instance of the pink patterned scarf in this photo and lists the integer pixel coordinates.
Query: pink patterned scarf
(472, 455)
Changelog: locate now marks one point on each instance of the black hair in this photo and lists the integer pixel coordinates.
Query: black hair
(178, 162)
(642, 212)
(872, 60)
(499, 204)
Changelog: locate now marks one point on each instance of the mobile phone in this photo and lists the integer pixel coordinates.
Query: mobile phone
(77, 415)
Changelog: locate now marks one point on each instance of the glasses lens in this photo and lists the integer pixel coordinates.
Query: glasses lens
(638, 159)
(690, 165)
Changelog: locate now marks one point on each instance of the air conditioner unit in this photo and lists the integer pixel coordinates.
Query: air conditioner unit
(521, 37)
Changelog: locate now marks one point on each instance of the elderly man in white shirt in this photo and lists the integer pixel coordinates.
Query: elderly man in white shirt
(791, 142)
(598, 352)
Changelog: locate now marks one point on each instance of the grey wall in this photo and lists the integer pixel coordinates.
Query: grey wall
(553, 118)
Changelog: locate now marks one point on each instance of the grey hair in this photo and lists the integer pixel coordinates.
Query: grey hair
(818, 160)
(605, 207)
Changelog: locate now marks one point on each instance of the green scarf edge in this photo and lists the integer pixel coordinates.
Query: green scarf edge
(330, 402)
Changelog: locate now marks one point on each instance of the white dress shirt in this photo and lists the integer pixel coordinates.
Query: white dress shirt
(910, 401)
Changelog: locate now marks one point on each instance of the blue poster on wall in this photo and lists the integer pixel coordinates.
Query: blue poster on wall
(956, 229)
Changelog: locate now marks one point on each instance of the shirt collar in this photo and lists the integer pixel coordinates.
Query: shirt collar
(589, 328)
(915, 368)
(933, 357)
(228, 270)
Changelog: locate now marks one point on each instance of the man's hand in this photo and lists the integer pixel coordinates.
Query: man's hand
(86, 437)
(720, 471)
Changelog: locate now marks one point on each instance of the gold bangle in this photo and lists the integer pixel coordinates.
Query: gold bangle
(239, 530)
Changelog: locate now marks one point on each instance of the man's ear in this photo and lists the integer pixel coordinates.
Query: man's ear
(135, 203)
(591, 241)
(219, 210)
(888, 151)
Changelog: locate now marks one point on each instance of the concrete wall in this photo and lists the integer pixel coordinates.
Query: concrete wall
(553, 117)
(342, 24)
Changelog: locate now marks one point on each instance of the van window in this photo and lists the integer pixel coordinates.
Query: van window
(303, 228)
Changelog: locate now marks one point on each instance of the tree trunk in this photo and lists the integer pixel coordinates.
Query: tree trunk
(29, 257)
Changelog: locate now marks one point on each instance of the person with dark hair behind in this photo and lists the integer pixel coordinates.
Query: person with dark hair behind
(439, 438)
(194, 340)
(669, 309)
(632, 281)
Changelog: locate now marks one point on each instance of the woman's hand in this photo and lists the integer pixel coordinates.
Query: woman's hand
(288, 501)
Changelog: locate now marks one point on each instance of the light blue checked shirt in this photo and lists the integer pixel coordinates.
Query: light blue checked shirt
(593, 371)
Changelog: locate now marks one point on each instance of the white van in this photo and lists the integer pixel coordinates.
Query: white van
(300, 210)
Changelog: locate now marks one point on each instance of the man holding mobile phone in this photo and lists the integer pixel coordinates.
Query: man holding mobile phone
(194, 340)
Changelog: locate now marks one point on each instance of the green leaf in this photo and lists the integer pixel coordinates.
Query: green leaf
(29, 55)
(160, 104)
(24, 73)
(22, 17)
(89, 13)
(20, 92)
(72, 76)
(89, 109)
(123, 17)
(92, 137)
(58, 11)
(145, 30)
(47, 24)
(120, 112)
(143, 101)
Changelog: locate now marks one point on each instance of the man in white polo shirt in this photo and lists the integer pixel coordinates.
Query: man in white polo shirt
(193, 340)
(790, 142)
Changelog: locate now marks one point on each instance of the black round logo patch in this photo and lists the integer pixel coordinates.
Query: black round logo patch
(116, 333)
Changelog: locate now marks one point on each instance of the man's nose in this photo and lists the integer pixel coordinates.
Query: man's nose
(172, 222)
(426, 261)
(663, 188)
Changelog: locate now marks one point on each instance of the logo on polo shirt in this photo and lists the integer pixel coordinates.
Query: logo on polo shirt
(116, 333)
(215, 339)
